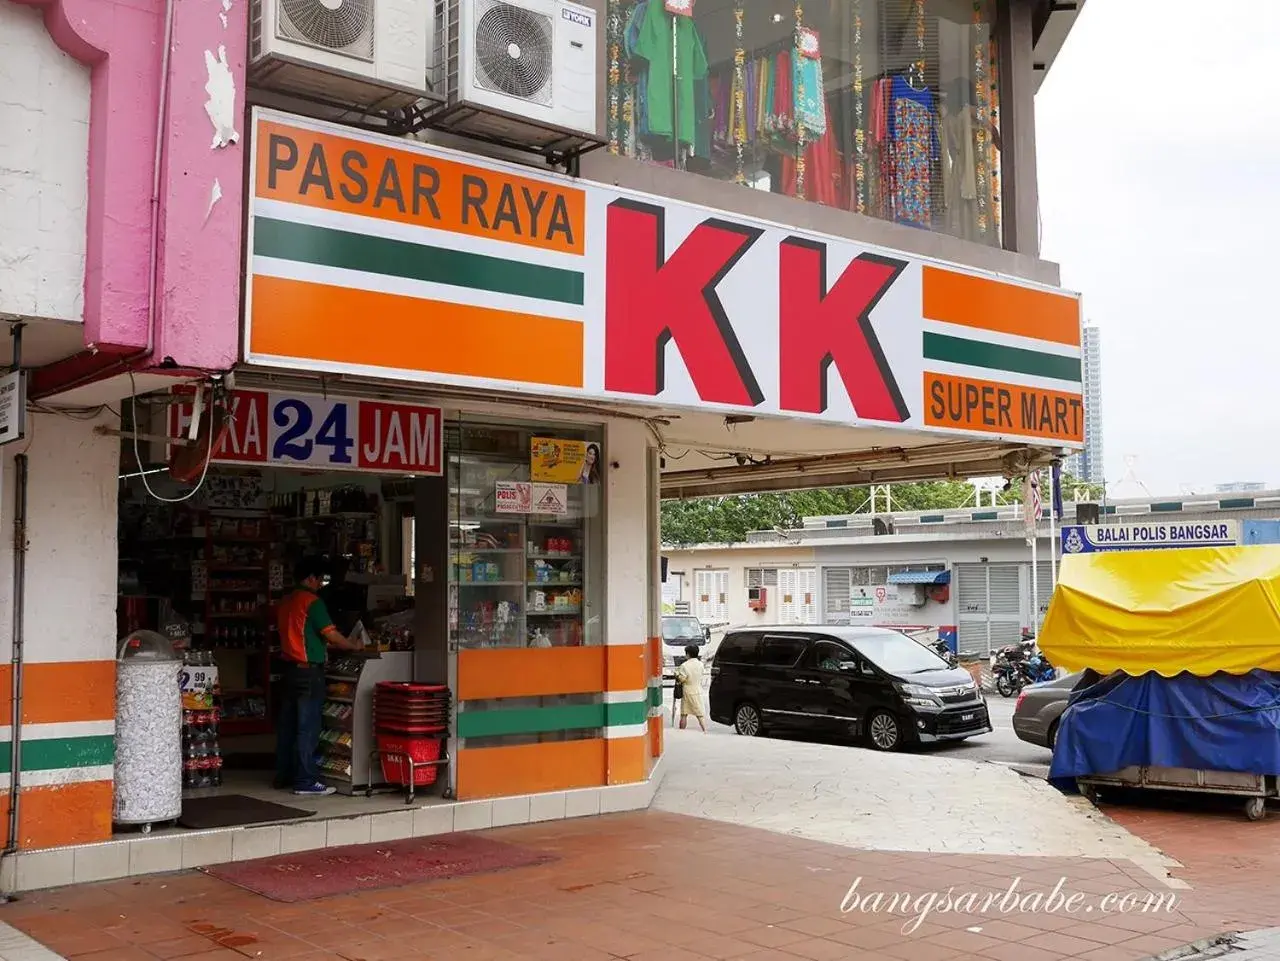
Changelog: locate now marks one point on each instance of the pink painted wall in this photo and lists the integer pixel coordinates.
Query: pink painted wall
(199, 257)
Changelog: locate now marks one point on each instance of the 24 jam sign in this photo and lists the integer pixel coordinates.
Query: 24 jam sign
(329, 433)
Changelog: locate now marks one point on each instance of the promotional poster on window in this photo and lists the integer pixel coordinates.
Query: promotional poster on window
(554, 460)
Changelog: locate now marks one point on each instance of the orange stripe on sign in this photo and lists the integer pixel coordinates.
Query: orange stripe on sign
(485, 675)
(57, 815)
(530, 768)
(985, 304)
(655, 737)
(963, 403)
(392, 182)
(293, 318)
(61, 692)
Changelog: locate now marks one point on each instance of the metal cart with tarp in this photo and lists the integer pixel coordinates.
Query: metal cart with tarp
(1180, 651)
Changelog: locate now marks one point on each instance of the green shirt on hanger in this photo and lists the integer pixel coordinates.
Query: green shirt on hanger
(654, 45)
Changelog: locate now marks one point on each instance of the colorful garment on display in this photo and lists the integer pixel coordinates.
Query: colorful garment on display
(663, 95)
(810, 104)
(915, 146)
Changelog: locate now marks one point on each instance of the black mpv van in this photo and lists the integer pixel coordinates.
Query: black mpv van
(865, 681)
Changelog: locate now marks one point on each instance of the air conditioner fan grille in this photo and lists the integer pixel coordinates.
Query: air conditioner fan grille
(333, 24)
(513, 50)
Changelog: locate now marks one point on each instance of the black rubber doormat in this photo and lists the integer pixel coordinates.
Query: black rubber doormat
(233, 810)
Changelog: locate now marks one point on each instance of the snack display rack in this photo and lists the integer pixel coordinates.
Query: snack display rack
(346, 733)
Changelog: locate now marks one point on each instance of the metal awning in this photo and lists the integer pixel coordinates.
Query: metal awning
(706, 453)
(920, 577)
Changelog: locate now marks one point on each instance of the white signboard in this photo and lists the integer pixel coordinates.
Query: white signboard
(1144, 537)
(329, 433)
(522, 497)
(13, 406)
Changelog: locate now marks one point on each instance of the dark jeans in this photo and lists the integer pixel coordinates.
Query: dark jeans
(298, 731)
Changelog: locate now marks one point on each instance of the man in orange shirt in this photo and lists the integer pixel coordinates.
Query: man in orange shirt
(306, 634)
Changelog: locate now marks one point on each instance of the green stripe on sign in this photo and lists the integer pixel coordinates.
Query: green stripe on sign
(397, 258)
(542, 720)
(1017, 360)
(56, 753)
(655, 696)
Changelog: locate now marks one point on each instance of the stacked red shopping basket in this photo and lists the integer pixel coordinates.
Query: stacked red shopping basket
(410, 721)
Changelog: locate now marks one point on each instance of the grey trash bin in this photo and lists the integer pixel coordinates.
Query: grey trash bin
(148, 768)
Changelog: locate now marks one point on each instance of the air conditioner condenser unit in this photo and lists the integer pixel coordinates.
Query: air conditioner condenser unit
(373, 54)
(521, 73)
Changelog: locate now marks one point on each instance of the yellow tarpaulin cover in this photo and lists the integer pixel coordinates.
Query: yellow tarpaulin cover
(1201, 610)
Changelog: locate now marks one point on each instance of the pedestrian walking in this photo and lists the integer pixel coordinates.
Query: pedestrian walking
(689, 683)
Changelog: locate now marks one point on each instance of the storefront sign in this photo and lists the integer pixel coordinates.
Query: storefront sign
(325, 433)
(13, 406)
(522, 497)
(558, 461)
(474, 273)
(1080, 539)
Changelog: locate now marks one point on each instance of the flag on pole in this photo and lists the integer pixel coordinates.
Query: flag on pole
(1056, 481)
(1031, 503)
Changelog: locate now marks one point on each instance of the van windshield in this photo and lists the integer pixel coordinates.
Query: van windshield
(677, 629)
(898, 654)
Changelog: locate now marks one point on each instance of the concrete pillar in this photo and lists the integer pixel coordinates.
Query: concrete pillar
(1021, 199)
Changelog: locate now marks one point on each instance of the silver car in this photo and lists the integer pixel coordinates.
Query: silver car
(1039, 708)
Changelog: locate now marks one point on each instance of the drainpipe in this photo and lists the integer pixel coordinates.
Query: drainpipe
(18, 609)
(16, 659)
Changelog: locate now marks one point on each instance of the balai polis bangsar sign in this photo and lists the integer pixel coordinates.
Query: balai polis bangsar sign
(388, 258)
(1144, 537)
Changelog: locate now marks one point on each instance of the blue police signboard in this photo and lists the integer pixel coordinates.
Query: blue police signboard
(1080, 539)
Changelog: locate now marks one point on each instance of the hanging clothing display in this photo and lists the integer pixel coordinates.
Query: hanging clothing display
(667, 101)
(810, 104)
(906, 133)
(915, 146)
(959, 172)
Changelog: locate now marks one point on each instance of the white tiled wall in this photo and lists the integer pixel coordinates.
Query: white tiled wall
(178, 851)
(44, 170)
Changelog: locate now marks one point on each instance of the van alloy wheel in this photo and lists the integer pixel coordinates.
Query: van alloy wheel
(883, 731)
(746, 721)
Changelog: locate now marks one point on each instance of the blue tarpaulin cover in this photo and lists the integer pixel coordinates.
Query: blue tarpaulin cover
(1223, 722)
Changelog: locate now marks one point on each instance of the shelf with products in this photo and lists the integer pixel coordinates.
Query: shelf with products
(237, 576)
(347, 735)
(508, 571)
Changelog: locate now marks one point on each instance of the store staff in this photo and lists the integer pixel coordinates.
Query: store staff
(306, 633)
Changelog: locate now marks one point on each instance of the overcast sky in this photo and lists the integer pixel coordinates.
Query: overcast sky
(1158, 133)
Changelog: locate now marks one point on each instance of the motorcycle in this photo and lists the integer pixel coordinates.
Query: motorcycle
(1010, 678)
(1038, 669)
(1008, 665)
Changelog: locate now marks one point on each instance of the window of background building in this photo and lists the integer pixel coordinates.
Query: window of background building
(762, 576)
(889, 108)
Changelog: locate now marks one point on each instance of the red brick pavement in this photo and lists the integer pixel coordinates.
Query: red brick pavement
(1233, 864)
(644, 887)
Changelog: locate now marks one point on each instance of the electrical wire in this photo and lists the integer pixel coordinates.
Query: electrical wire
(137, 453)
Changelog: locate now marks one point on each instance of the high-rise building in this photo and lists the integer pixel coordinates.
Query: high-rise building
(1088, 465)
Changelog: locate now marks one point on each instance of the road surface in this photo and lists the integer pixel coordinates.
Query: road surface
(1001, 746)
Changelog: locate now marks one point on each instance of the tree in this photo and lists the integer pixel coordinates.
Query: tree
(727, 520)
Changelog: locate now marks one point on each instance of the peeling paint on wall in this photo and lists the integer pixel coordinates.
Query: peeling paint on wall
(221, 105)
(226, 9)
(214, 196)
